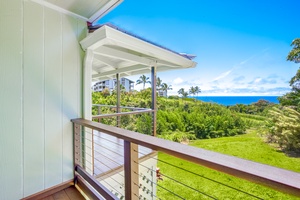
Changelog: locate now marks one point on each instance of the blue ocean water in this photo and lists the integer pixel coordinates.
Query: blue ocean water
(232, 100)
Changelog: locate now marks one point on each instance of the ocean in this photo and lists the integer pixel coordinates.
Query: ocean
(232, 100)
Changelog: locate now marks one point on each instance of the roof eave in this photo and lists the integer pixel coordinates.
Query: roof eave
(94, 17)
(104, 10)
(107, 41)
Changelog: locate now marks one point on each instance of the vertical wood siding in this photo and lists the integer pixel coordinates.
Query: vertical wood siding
(40, 91)
(10, 99)
(53, 98)
(70, 90)
(33, 98)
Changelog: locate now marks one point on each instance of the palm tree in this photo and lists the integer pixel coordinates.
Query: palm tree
(185, 94)
(192, 91)
(166, 87)
(197, 90)
(122, 88)
(158, 83)
(181, 91)
(143, 80)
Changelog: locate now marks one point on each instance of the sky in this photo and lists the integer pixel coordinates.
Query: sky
(241, 45)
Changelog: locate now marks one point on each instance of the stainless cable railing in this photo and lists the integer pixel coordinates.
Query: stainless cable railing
(125, 117)
(136, 164)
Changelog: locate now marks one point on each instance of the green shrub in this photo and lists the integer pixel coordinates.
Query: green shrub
(284, 128)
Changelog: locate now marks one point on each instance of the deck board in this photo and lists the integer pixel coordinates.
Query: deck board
(48, 198)
(73, 193)
(109, 153)
(61, 195)
(70, 193)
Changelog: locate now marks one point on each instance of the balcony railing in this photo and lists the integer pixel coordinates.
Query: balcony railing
(131, 143)
(113, 114)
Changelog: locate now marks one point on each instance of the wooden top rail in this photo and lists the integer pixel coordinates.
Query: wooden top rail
(122, 113)
(126, 107)
(279, 179)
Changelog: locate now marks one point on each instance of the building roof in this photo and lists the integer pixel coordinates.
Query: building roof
(113, 50)
(94, 28)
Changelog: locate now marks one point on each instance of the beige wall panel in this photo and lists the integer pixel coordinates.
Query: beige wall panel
(11, 176)
(53, 98)
(71, 90)
(34, 140)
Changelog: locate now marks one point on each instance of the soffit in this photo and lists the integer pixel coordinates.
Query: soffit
(89, 10)
(114, 51)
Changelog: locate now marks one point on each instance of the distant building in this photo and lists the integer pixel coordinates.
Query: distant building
(111, 84)
(162, 93)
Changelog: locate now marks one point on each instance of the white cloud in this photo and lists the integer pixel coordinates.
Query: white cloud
(257, 80)
(247, 60)
(177, 81)
(223, 75)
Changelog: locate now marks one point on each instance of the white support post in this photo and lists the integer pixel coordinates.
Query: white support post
(87, 81)
(87, 133)
(154, 106)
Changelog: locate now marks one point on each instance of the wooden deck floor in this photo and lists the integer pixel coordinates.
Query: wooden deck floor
(109, 153)
(70, 193)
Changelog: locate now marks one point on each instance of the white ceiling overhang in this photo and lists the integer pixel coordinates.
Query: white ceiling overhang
(89, 10)
(114, 51)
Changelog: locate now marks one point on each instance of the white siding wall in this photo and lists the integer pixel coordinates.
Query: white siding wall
(40, 91)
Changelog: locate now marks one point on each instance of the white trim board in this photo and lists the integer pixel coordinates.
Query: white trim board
(110, 5)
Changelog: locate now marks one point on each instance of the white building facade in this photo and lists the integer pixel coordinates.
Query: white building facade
(111, 85)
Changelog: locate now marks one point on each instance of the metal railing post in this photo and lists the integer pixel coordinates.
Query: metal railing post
(93, 153)
(99, 113)
(118, 100)
(131, 171)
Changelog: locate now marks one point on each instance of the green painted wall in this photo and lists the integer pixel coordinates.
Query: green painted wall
(40, 91)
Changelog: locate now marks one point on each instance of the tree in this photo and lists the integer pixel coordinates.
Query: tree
(294, 54)
(181, 91)
(192, 91)
(166, 87)
(293, 98)
(185, 94)
(122, 88)
(295, 82)
(143, 80)
(158, 83)
(197, 90)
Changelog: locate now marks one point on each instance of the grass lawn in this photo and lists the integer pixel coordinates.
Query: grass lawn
(248, 146)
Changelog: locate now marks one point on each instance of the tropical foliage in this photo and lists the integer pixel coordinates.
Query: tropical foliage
(285, 128)
(258, 108)
(294, 54)
(293, 98)
(185, 120)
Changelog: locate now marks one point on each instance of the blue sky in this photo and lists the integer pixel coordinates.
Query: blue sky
(241, 46)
